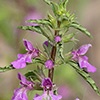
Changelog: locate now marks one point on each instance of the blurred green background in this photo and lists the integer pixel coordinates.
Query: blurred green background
(13, 13)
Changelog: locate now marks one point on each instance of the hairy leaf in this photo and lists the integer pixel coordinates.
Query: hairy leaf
(65, 3)
(68, 37)
(52, 21)
(85, 75)
(48, 2)
(6, 68)
(31, 75)
(60, 51)
(35, 75)
(63, 31)
(39, 21)
(48, 49)
(55, 7)
(31, 28)
(38, 29)
(81, 28)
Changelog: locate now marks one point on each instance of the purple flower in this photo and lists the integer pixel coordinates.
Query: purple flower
(21, 93)
(46, 43)
(25, 58)
(49, 64)
(83, 60)
(57, 38)
(48, 91)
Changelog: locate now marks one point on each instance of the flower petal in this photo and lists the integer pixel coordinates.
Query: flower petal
(22, 59)
(28, 45)
(24, 95)
(19, 63)
(37, 97)
(47, 82)
(35, 53)
(56, 97)
(91, 68)
(28, 58)
(83, 49)
(22, 78)
(45, 43)
(21, 55)
(75, 56)
(20, 94)
(85, 58)
(83, 62)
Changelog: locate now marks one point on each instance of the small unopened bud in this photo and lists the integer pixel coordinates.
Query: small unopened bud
(57, 38)
(49, 64)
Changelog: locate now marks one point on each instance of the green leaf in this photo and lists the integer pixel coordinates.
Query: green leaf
(60, 51)
(48, 49)
(31, 75)
(38, 29)
(63, 31)
(67, 57)
(36, 60)
(68, 37)
(55, 92)
(43, 99)
(55, 7)
(85, 75)
(81, 28)
(36, 74)
(64, 23)
(39, 21)
(48, 2)
(6, 68)
(65, 3)
(52, 21)
(31, 28)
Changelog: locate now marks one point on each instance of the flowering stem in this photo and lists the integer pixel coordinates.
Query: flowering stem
(53, 54)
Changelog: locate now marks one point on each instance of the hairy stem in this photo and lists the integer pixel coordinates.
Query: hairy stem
(53, 55)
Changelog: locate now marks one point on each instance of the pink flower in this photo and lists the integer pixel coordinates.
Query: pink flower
(57, 38)
(25, 58)
(21, 93)
(83, 60)
(48, 91)
(49, 64)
